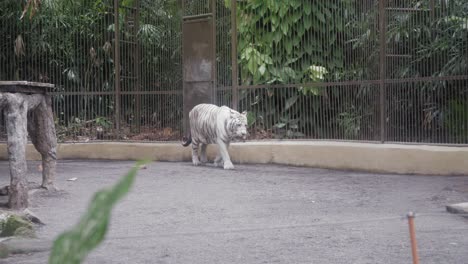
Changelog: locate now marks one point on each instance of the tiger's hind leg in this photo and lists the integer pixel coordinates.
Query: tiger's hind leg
(218, 162)
(203, 157)
(195, 160)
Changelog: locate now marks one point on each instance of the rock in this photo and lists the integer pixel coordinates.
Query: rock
(460, 208)
(30, 216)
(12, 223)
(24, 246)
(25, 232)
(5, 191)
(4, 252)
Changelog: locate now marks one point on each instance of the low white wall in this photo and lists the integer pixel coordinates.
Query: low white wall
(386, 158)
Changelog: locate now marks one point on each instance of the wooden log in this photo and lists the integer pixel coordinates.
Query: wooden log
(16, 110)
(41, 130)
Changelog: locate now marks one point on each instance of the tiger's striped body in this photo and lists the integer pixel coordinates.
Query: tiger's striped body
(211, 124)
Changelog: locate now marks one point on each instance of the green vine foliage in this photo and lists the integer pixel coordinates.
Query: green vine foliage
(287, 41)
(291, 42)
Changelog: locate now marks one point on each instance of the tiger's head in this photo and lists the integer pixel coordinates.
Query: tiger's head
(237, 125)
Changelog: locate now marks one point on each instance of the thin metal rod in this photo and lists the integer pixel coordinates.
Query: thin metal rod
(117, 65)
(382, 73)
(414, 246)
(349, 83)
(208, 15)
(235, 91)
(213, 58)
(406, 9)
(136, 61)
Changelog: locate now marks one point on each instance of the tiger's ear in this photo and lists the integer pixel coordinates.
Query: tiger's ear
(232, 112)
(244, 113)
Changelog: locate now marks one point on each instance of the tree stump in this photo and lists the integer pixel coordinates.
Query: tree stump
(16, 106)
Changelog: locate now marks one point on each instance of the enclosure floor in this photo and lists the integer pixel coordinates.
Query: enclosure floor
(177, 213)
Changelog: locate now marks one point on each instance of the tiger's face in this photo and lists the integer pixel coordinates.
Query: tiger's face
(238, 125)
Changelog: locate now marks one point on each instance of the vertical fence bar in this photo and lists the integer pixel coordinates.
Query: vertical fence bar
(137, 61)
(117, 65)
(214, 69)
(382, 73)
(185, 127)
(235, 80)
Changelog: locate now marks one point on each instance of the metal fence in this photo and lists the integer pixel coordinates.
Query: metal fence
(366, 70)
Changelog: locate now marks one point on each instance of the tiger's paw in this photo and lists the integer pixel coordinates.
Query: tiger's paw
(197, 163)
(218, 162)
(228, 166)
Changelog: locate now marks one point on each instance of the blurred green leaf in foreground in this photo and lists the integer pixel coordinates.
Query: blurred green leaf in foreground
(72, 246)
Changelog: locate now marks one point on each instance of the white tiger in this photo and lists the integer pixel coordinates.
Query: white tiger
(211, 124)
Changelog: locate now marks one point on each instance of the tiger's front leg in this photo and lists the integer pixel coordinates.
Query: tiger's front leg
(223, 151)
(219, 162)
(195, 159)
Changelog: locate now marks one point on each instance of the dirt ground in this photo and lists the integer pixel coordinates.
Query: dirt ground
(177, 213)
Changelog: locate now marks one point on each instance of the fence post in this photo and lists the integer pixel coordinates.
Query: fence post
(382, 72)
(414, 246)
(117, 65)
(235, 80)
(136, 62)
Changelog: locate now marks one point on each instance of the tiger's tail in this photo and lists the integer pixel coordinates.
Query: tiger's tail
(186, 141)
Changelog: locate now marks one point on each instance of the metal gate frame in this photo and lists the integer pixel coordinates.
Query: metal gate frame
(198, 60)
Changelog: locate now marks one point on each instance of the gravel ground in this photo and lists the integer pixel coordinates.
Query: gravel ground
(177, 213)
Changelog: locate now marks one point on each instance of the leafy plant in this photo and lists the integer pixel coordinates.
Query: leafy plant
(73, 246)
(104, 122)
(457, 119)
(280, 42)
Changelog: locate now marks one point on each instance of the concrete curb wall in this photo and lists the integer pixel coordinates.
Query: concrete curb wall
(385, 158)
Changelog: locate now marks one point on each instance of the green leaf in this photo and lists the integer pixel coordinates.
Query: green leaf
(252, 66)
(266, 59)
(307, 22)
(283, 12)
(320, 16)
(274, 20)
(296, 16)
(251, 118)
(71, 247)
(277, 36)
(295, 4)
(280, 125)
(262, 69)
(307, 8)
(289, 61)
(290, 72)
(290, 102)
(288, 46)
(284, 28)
